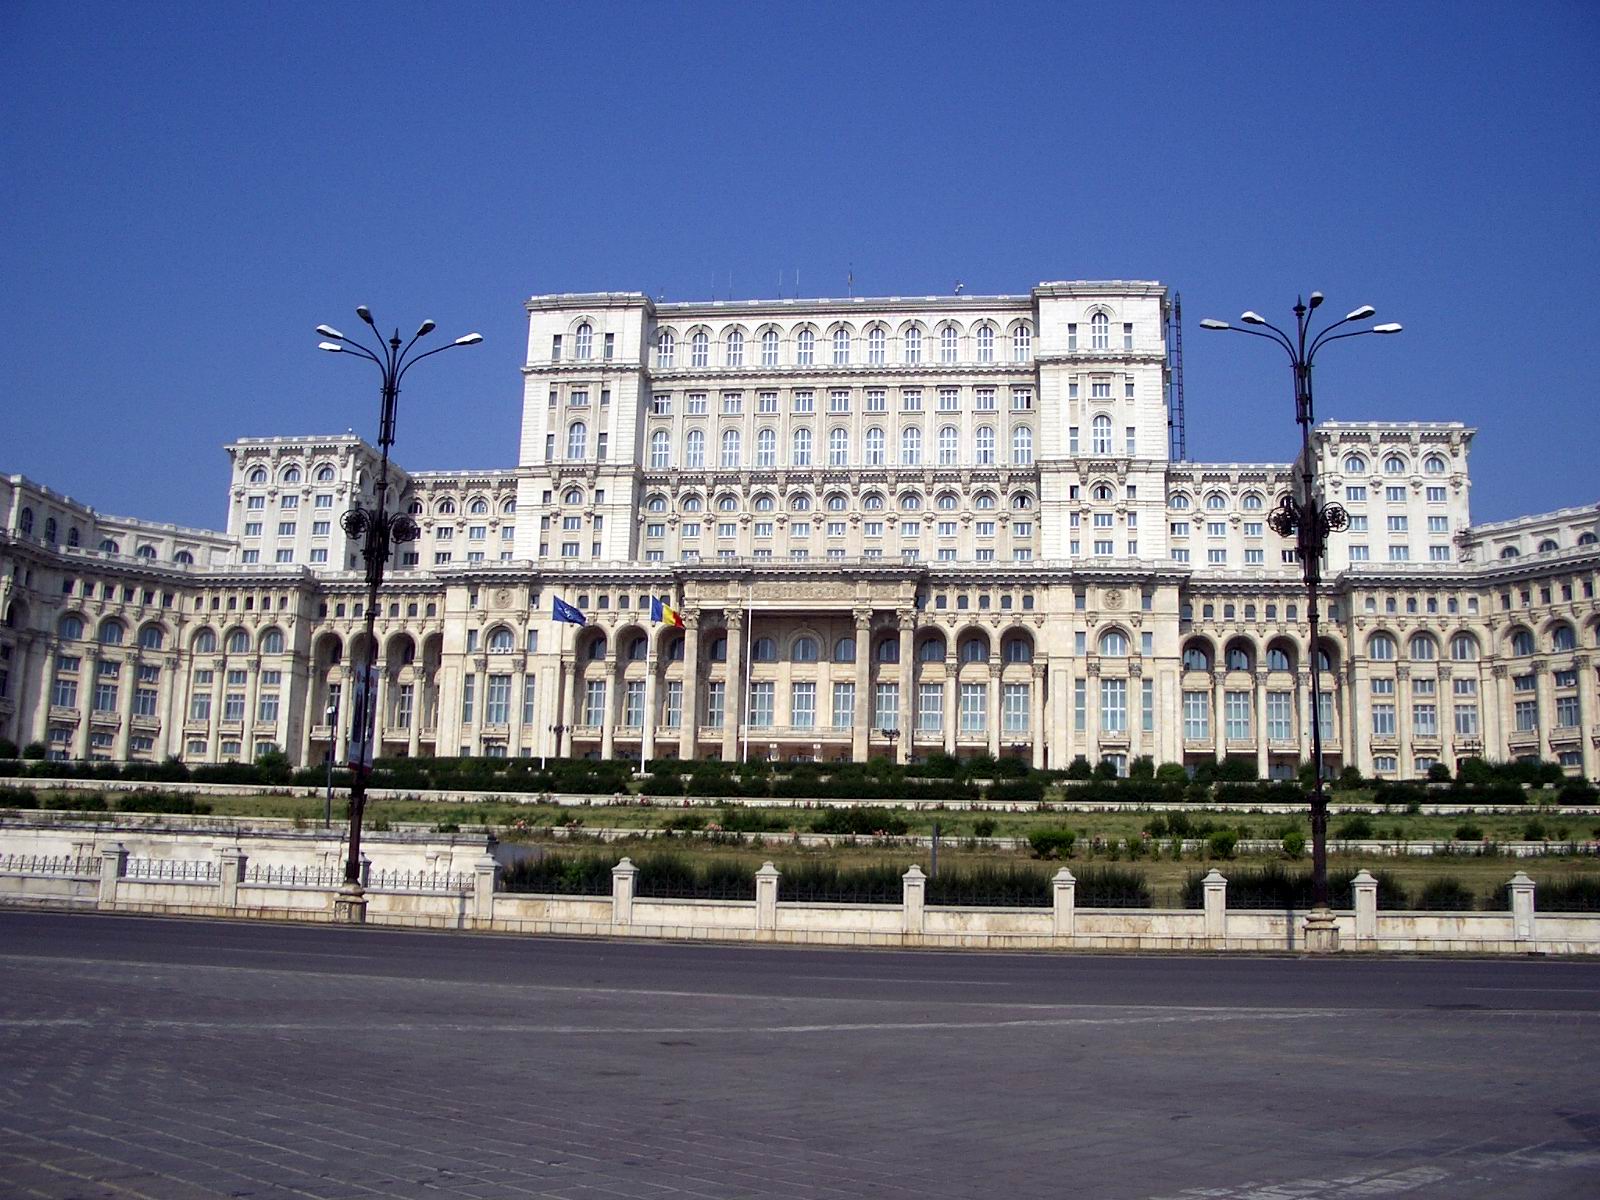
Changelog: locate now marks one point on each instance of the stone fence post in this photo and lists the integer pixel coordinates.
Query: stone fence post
(622, 882)
(232, 864)
(914, 887)
(1064, 894)
(1365, 886)
(1522, 910)
(767, 896)
(484, 871)
(1215, 885)
(113, 865)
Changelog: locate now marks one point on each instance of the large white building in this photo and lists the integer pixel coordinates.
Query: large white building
(895, 527)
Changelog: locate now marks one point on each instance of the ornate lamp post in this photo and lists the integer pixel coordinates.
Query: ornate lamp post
(1309, 521)
(379, 530)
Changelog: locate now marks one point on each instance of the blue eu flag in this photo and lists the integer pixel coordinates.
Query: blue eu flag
(562, 611)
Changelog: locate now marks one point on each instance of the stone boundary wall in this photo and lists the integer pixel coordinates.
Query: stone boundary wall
(194, 878)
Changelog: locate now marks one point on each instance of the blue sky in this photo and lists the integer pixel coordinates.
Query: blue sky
(189, 189)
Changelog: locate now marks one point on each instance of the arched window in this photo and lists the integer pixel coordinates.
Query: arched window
(656, 504)
(1381, 647)
(1239, 658)
(983, 501)
(73, 539)
(500, 641)
(728, 503)
(1278, 659)
(111, 632)
(910, 502)
(735, 348)
(764, 649)
(911, 345)
(50, 531)
(1021, 502)
(572, 496)
(764, 503)
(986, 343)
(1102, 493)
(700, 349)
(583, 343)
(1464, 647)
(1547, 545)
(717, 651)
(841, 346)
(1114, 644)
(799, 502)
(1196, 657)
(1434, 465)
(838, 447)
(447, 508)
(638, 648)
(1394, 465)
(888, 651)
(875, 446)
(291, 474)
(1354, 464)
(1216, 502)
(666, 348)
(692, 504)
(1584, 539)
(272, 641)
(205, 642)
(1099, 332)
(948, 502)
(478, 508)
(694, 449)
(931, 649)
(675, 649)
(766, 448)
(805, 347)
(1422, 648)
(660, 449)
(577, 440)
(1179, 501)
(258, 476)
(146, 551)
(1021, 343)
(769, 348)
(152, 637)
(804, 650)
(325, 474)
(1017, 650)
(1022, 446)
(1563, 639)
(911, 446)
(983, 446)
(974, 650)
(877, 340)
(1251, 502)
(1509, 552)
(107, 546)
(800, 453)
(597, 648)
(1522, 644)
(730, 449)
(183, 556)
(949, 341)
(872, 502)
(1101, 434)
(837, 502)
(949, 445)
(238, 642)
(844, 650)
(70, 627)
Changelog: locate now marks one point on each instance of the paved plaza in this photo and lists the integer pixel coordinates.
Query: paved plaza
(174, 1059)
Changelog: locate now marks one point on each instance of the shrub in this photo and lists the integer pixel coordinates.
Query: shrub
(1079, 768)
(1357, 828)
(1009, 886)
(1111, 887)
(1580, 893)
(859, 821)
(684, 823)
(1052, 843)
(1025, 791)
(1275, 886)
(560, 874)
(1294, 843)
(1237, 768)
(1439, 773)
(1142, 767)
(1578, 791)
(1445, 895)
(818, 882)
(160, 802)
(662, 785)
(1468, 832)
(983, 827)
(1220, 843)
(8, 748)
(1156, 826)
(1350, 778)
(753, 820)
(1534, 831)
(33, 751)
(11, 797)
(1171, 772)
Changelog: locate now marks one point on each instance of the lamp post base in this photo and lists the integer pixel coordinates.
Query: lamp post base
(1321, 932)
(350, 905)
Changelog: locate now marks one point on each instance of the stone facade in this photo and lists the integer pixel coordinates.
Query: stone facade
(894, 527)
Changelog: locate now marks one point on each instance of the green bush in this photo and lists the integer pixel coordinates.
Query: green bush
(983, 827)
(1052, 843)
(684, 823)
(161, 802)
(560, 875)
(753, 820)
(860, 822)
(819, 882)
(1111, 887)
(1445, 895)
(1275, 886)
(1439, 773)
(1008, 886)
(1350, 778)
(1468, 832)
(1579, 893)
(1220, 843)
(1294, 843)
(11, 797)
(33, 751)
(1079, 768)
(662, 785)
(8, 748)
(1021, 792)
(1171, 772)
(1357, 828)
(1534, 831)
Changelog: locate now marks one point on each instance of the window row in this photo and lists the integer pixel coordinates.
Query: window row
(803, 450)
(876, 345)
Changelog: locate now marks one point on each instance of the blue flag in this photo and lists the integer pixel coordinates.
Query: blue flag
(562, 611)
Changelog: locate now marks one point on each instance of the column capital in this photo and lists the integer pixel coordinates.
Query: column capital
(907, 617)
(863, 618)
(733, 618)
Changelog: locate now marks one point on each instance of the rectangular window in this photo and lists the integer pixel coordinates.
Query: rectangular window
(1436, 495)
(633, 704)
(1147, 705)
(1466, 720)
(1236, 708)
(1566, 711)
(716, 703)
(1114, 706)
(199, 703)
(844, 705)
(1015, 707)
(930, 708)
(974, 708)
(672, 718)
(233, 706)
(1080, 705)
(497, 701)
(469, 685)
(803, 705)
(1383, 724)
(594, 702)
(761, 702)
(1280, 716)
(1425, 720)
(886, 706)
(1527, 716)
(144, 702)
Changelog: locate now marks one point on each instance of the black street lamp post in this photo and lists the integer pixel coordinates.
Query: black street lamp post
(1309, 521)
(379, 531)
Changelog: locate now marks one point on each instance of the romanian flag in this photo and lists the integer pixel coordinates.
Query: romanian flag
(663, 612)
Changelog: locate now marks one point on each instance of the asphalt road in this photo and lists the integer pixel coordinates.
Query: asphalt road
(173, 1059)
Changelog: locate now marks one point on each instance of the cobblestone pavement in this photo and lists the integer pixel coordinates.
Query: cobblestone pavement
(174, 1059)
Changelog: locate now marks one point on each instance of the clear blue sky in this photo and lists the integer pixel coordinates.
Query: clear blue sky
(188, 189)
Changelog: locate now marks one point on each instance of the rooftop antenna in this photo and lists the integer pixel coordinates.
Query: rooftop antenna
(960, 287)
(850, 281)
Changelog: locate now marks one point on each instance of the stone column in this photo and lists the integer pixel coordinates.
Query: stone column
(1036, 730)
(479, 666)
(1064, 894)
(1356, 741)
(1365, 886)
(952, 700)
(860, 746)
(232, 863)
(171, 705)
(689, 732)
(623, 877)
(113, 866)
(515, 733)
(733, 689)
(1586, 714)
(484, 870)
(247, 727)
(1444, 703)
(1307, 707)
(88, 676)
(1215, 886)
(1522, 909)
(1258, 726)
(616, 679)
(908, 668)
(419, 687)
(569, 705)
(1499, 714)
(1135, 708)
(1544, 690)
(1403, 727)
(314, 715)
(913, 891)
(994, 712)
(1091, 706)
(130, 684)
(767, 897)
(1219, 716)
(41, 711)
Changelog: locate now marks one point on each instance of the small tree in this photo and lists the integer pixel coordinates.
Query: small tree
(1438, 773)
(1079, 768)
(33, 750)
(1143, 767)
(1172, 772)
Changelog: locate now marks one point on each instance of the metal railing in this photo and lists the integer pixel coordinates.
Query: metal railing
(47, 864)
(176, 870)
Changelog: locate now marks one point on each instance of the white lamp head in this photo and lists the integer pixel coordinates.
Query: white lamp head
(365, 314)
(1316, 299)
(331, 347)
(329, 331)
(1362, 313)
(1213, 323)
(425, 328)
(469, 339)
(1392, 327)
(1252, 318)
